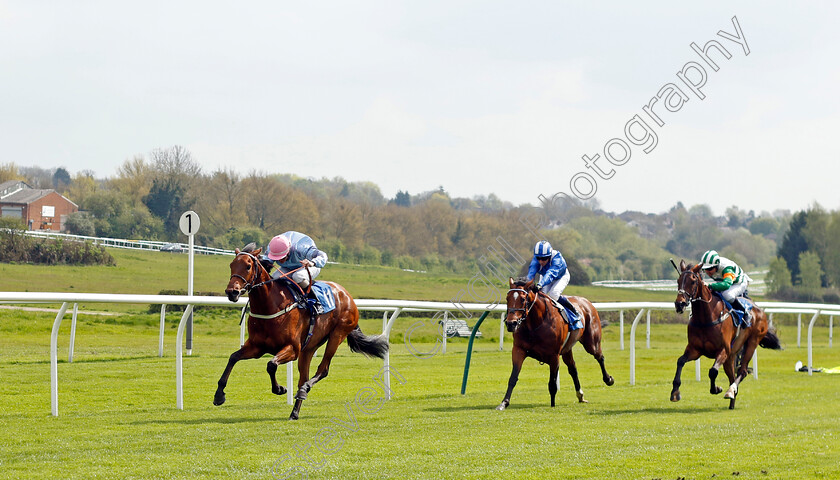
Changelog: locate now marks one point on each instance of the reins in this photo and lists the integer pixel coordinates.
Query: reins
(692, 299)
(248, 286)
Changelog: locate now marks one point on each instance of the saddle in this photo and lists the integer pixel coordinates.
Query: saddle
(568, 312)
(740, 312)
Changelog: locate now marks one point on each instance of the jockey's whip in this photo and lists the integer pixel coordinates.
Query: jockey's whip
(675, 265)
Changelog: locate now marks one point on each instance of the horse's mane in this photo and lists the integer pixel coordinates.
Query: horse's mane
(249, 248)
(520, 282)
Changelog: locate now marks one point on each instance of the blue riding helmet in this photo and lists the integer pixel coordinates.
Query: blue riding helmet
(542, 249)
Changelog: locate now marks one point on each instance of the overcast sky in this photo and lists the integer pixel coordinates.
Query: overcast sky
(475, 96)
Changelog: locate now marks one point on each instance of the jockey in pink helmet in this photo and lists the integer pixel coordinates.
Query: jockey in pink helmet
(293, 250)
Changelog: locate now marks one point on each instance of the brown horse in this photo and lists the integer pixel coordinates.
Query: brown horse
(276, 326)
(541, 333)
(713, 334)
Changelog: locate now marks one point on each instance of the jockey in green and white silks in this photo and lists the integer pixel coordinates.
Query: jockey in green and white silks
(729, 280)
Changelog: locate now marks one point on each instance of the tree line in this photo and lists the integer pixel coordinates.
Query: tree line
(354, 223)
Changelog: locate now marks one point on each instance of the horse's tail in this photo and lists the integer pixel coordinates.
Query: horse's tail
(370, 345)
(771, 341)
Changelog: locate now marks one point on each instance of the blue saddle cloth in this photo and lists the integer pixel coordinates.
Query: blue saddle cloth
(324, 301)
(571, 315)
(324, 295)
(737, 311)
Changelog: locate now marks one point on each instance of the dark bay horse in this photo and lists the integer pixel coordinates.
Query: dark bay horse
(278, 328)
(713, 334)
(541, 333)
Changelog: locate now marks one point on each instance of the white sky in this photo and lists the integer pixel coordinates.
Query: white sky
(477, 96)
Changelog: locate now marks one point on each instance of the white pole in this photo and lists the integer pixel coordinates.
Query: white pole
(697, 369)
(799, 330)
(190, 288)
(443, 330)
(54, 359)
(502, 333)
(73, 332)
(621, 328)
(387, 360)
(755, 364)
(243, 326)
(290, 379)
(633, 347)
(810, 342)
(179, 361)
(162, 328)
(647, 332)
(830, 329)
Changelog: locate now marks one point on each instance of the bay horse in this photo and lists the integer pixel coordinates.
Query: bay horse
(713, 334)
(540, 332)
(276, 326)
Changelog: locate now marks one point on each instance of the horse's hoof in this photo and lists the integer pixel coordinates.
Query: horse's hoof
(732, 404)
(279, 391)
(219, 399)
(609, 380)
(716, 390)
(675, 397)
(293, 416)
(501, 406)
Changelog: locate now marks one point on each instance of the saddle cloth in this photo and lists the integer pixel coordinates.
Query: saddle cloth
(737, 311)
(324, 301)
(568, 312)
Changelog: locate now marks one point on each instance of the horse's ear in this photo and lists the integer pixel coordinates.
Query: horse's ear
(683, 265)
(511, 283)
(236, 251)
(696, 268)
(529, 285)
(257, 251)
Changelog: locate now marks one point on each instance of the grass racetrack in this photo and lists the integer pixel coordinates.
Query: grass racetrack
(117, 415)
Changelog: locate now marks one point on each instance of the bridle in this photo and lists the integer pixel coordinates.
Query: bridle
(693, 297)
(526, 310)
(249, 284)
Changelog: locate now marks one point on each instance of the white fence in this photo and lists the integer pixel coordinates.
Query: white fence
(130, 244)
(395, 307)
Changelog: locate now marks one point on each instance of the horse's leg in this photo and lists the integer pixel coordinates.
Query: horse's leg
(247, 351)
(725, 358)
(323, 370)
(592, 345)
(743, 372)
(518, 355)
(287, 354)
(688, 355)
(569, 360)
(304, 361)
(553, 370)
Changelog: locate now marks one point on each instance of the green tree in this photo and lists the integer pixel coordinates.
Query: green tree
(778, 276)
(794, 242)
(80, 223)
(810, 273)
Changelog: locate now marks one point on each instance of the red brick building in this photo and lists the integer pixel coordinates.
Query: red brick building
(40, 209)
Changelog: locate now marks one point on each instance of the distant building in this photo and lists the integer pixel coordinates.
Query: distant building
(39, 209)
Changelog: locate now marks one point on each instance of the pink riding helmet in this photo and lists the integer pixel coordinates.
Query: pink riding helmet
(278, 247)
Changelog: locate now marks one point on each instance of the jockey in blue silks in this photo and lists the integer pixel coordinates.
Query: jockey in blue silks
(554, 276)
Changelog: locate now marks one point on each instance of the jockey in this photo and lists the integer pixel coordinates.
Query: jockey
(730, 281)
(554, 276)
(292, 250)
(551, 266)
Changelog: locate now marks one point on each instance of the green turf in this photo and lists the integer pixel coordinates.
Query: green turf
(118, 417)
